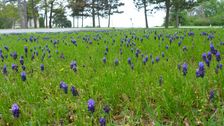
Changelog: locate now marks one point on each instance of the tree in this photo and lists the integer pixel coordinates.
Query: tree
(143, 4)
(60, 19)
(51, 3)
(77, 7)
(32, 11)
(8, 15)
(112, 7)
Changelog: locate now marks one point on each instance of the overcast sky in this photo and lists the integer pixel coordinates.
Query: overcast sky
(130, 12)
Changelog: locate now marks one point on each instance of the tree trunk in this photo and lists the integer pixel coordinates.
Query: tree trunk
(109, 17)
(51, 9)
(77, 21)
(25, 14)
(73, 21)
(82, 19)
(167, 13)
(145, 11)
(177, 19)
(33, 14)
(20, 13)
(45, 11)
(98, 19)
(93, 12)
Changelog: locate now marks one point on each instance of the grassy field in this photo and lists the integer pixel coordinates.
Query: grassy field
(140, 77)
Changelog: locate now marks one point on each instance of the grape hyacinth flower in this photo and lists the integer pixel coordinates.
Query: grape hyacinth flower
(91, 105)
(209, 56)
(15, 110)
(25, 49)
(116, 62)
(204, 56)
(64, 86)
(104, 60)
(157, 59)
(72, 64)
(218, 57)
(102, 121)
(4, 71)
(212, 49)
(207, 62)
(14, 55)
(163, 54)
(23, 67)
(74, 91)
(21, 60)
(144, 61)
(129, 61)
(211, 95)
(14, 67)
(23, 76)
(132, 66)
(42, 67)
(106, 109)
(184, 69)
(200, 71)
(220, 66)
(152, 61)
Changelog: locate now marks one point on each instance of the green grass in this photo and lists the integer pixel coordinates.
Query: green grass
(136, 97)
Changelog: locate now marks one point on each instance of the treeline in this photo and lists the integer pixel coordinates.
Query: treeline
(54, 13)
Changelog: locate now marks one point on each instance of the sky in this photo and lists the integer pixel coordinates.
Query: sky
(124, 19)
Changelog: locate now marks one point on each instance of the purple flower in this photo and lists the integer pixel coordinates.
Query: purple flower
(72, 64)
(14, 67)
(191, 33)
(23, 76)
(146, 58)
(201, 66)
(212, 49)
(106, 109)
(102, 121)
(152, 61)
(21, 60)
(15, 110)
(42, 67)
(136, 53)
(4, 71)
(74, 91)
(104, 60)
(207, 62)
(129, 61)
(184, 48)
(200, 71)
(144, 61)
(211, 95)
(163, 54)
(132, 66)
(14, 55)
(64, 86)
(184, 69)
(167, 47)
(91, 105)
(204, 56)
(116, 62)
(157, 59)
(218, 57)
(220, 66)
(179, 43)
(23, 67)
(209, 56)
(25, 49)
